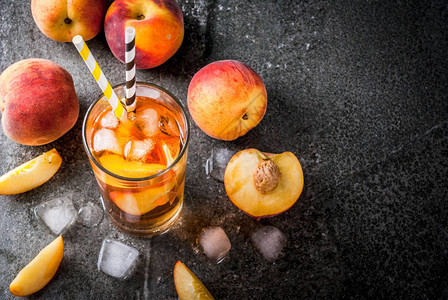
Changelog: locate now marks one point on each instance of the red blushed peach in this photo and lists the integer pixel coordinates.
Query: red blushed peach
(263, 184)
(159, 30)
(38, 101)
(227, 99)
(62, 20)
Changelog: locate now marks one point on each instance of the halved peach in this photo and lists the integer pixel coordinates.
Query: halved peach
(263, 184)
(34, 276)
(188, 286)
(30, 174)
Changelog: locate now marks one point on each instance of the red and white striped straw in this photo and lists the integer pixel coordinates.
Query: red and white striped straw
(130, 68)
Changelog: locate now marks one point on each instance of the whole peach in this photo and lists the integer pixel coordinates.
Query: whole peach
(227, 99)
(38, 101)
(61, 20)
(159, 26)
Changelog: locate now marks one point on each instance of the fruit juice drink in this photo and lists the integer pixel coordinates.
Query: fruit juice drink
(140, 166)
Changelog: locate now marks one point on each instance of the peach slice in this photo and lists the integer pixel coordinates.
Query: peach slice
(30, 174)
(263, 184)
(142, 202)
(39, 271)
(132, 169)
(188, 286)
(171, 149)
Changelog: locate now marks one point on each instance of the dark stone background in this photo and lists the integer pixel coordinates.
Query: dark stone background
(357, 90)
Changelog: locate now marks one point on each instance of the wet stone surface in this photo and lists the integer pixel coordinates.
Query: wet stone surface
(358, 92)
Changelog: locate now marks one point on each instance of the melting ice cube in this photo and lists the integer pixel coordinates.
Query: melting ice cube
(138, 150)
(147, 120)
(109, 120)
(57, 214)
(116, 259)
(215, 165)
(168, 125)
(215, 243)
(270, 241)
(105, 139)
(90, 215)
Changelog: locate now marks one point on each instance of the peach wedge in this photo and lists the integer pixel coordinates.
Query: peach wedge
(132, 169)
(263, 184)
(30, 174)
(188, 286)
(139, 203)
(39, 271)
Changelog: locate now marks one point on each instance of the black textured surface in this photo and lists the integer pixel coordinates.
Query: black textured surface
(357, 91)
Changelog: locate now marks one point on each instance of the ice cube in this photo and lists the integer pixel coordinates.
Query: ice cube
(139, 150)
(150, 93)
(215, 243)
(270, 241)
(147, 120)
(90, 215)
(168, 124)
(215, 165)
(116, 259)
(57, 214)
(109, 120)
(105, 140)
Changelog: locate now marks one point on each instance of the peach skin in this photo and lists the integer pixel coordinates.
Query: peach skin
(62, 20)
(159, 27)
(227, 99)
(38, 101)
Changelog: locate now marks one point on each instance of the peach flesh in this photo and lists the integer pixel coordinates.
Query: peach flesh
(266, 199)
(30, 174)
(188, 286)
(38, 273)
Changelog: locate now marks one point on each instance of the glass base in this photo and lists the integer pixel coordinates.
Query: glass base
(147, 232)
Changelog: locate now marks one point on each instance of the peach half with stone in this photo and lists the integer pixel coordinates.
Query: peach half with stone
(263, 184)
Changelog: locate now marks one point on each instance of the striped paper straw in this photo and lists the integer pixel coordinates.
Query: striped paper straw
(130, 68)
(104, 84)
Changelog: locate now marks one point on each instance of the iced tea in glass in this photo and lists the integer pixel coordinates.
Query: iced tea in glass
(140, 167)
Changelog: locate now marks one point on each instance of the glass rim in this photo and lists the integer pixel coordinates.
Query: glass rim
(158, 174)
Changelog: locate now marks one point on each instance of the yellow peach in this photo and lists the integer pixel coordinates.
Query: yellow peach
(38, 101)
(226, 99)
(30, 174)
(263, 184)
(153, 20)
(39, 271)
(139, 203)
(126, 168)
(62, 20)
(188, 286)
